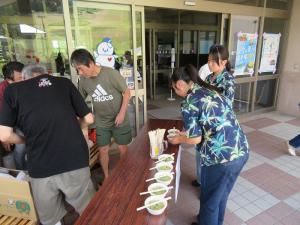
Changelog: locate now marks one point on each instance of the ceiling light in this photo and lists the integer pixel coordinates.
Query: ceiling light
(26, 29)
(190, 3)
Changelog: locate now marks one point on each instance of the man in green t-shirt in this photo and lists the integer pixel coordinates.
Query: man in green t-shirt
(110, 97)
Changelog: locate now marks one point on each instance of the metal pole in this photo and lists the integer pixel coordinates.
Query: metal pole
(171, 98)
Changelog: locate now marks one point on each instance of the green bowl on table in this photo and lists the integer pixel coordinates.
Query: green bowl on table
(163, 177)
(166, 158)
(158, 189)
(164, 167)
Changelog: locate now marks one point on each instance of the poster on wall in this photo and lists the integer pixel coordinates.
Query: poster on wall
(245, 54)
(269, 53)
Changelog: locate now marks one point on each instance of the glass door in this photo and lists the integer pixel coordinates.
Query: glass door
(205, 40)
(162, 61)
(140, 68)
(122, 33)
(188, 47)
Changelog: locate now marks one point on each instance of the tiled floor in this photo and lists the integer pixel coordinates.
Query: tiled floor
(268, 189)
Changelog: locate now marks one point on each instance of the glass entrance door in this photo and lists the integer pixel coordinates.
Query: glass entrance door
(162, 46)
(114, 34)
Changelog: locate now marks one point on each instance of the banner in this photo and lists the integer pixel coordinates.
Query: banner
(245, 54)
(269, 53)
(178, 173)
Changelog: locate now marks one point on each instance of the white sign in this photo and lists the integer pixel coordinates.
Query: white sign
(269, 53)
(178, 173)
(126, 72)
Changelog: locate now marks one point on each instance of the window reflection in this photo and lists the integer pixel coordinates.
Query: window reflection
(275, 26)
(265, 93)
(33, 31)
(242, 2)
(242, 98)
(279, 4)
(244, 24)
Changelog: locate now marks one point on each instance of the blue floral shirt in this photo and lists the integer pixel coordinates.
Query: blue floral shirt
(225, 82)
(207, 114)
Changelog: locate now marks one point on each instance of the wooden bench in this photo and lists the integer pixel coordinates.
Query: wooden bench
(10, 220)
(94, 156)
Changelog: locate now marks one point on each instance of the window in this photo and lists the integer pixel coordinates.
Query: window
(248, 25)
(91, 29)
(274, 26)
(188, 47)
(161, 16)
(279, 4)
(33, 31)
(242, 2)
(242, 98)
(265, 93)
(198, 18)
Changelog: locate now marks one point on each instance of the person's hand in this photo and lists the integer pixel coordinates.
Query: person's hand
(175, 140)
(182, 133)
(6, 146)
(119, 119)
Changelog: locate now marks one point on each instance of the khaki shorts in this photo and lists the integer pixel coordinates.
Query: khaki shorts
(76, 186)
(122, 135)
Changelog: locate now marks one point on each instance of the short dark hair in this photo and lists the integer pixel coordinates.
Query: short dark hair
(81, 57)
(9, 69)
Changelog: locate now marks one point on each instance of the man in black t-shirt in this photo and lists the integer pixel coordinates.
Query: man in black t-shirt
(46, 109)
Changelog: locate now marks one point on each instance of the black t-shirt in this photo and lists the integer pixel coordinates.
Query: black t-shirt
(46, 108)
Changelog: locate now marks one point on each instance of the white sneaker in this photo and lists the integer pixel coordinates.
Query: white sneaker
(291, 149)
(58, 223)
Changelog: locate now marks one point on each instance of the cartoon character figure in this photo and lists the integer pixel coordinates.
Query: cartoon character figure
(105, 53)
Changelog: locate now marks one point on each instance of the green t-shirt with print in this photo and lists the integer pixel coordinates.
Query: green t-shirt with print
(106, 90)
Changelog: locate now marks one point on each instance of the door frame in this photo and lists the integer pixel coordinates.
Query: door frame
(136, 93)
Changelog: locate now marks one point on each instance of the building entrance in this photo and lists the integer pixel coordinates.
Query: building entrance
(175, 38)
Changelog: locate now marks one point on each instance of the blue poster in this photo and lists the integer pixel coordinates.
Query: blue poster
(245, 54)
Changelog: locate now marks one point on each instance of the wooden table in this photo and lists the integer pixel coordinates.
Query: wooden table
(118, 198)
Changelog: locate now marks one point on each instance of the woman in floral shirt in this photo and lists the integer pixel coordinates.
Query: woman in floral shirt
(221, 77)
(211, 125)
